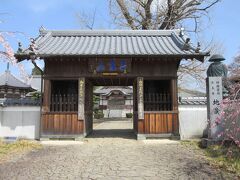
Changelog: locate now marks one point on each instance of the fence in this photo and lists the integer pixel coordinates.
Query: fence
(157, 102)
(64, 103)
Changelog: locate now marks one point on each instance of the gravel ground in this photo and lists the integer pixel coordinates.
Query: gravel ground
(112, 154)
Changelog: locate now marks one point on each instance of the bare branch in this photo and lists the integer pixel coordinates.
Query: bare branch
(148, 15)
(167, 21)
(165, 14)
(126, 13)
(87, 20)
(209, 6)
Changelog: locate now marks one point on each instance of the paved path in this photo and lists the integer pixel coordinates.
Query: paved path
(111, 154)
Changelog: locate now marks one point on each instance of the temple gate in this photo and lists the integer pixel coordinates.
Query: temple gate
(75, 61)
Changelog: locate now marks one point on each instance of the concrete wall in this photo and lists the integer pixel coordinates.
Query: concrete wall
(192, 121)
(20, 122)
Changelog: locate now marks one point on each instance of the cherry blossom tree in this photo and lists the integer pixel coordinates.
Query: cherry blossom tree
(234, 67)
(230, 116)
(7, 55)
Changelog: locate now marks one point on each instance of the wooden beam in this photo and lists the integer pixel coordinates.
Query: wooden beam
(174, 94)
(104, 82)
(111, 81)
(46, 96)
(97, 82)
(126, 80)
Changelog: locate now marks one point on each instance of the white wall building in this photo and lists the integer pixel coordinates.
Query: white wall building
(115, 101)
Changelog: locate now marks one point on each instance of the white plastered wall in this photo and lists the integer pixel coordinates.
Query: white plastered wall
(192, 121)
(20, 122)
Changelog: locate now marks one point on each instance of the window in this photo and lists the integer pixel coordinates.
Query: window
(64, 96)
(157, 95)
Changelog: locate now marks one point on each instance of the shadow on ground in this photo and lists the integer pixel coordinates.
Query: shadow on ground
(112, 133)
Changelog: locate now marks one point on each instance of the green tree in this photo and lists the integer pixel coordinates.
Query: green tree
(36, 71)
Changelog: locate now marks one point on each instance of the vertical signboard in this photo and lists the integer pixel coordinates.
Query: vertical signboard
(140, 98)
(215, 97)
(81, 98)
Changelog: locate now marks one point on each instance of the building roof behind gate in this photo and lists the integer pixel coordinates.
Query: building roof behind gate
(7, 79)
(113, 43)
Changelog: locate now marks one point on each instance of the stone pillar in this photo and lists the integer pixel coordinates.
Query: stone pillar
(81, 99)
(140, 100)
(214, 99)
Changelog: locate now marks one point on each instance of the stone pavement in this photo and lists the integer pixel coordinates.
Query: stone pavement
(111, 154)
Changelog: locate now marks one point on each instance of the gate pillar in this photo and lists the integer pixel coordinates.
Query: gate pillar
(47, 96)
(174, 94)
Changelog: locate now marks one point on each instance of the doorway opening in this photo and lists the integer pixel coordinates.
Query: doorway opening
(113, 108)
(113, 111)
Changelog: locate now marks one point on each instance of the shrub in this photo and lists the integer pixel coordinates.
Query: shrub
(34, 95)
(129, 115)
(98, 115)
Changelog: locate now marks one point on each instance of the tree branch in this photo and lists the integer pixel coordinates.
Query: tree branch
(148, 15)
(209, 6)
(167, 20)
(126, 13)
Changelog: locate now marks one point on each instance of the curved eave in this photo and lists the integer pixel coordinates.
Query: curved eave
(198, 56)
(21, 57)
(110, 93)
(15, 87)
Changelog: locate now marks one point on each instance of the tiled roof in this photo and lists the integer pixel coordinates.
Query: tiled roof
(193, 101)
(7, 79)
(182, 92)
(107, 90)
(113, 42)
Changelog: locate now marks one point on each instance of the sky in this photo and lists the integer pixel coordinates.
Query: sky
(27, 16)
